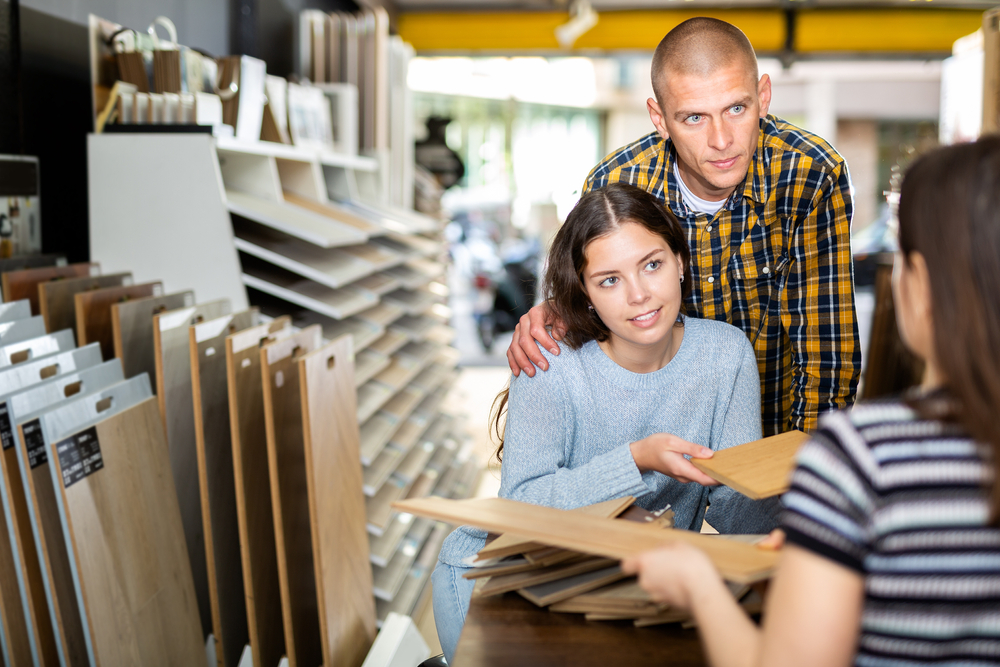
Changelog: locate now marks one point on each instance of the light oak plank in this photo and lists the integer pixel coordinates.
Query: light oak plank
(759, 469)
(290, 494)
(340, 541)
(736, 561)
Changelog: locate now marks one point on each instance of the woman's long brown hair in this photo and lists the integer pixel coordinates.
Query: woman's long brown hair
(949, 212)
(597, 214)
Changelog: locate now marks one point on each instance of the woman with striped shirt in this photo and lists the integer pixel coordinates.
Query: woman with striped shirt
(892, 553)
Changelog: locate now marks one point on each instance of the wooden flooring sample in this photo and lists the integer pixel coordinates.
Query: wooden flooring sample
(331, 210)
(294, 220)
(335, 303)
(555, 591)
(33, 348)
(505, 583)
(132, 330)
(759, 469)
(57, 302)
(736, 561)
(17, 542)
(56, 572)
(509, 544)
(216, 482)
(93, 312)
(253, 490)
(23, 284)
(171, 346)
(120, 515)
(336, 508)
(290, 493)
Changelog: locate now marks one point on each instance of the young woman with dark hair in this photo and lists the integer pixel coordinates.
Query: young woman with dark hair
(893, 545)
(636, 388)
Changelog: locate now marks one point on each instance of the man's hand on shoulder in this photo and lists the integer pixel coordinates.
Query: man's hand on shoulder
(524, 353)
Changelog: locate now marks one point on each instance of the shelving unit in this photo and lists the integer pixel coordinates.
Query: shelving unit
(303, 243)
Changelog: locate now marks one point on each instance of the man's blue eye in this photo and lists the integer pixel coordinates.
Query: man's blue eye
(738, 109)
(693, 119)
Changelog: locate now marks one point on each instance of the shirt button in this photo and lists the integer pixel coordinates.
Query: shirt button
(766, 270)
(709, 228)
(711, 279)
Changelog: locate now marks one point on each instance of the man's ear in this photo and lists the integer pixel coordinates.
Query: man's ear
(656, 115)
(764, 94)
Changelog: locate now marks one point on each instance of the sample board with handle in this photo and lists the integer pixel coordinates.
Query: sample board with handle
(23, 284)
(759, 469)
(119, 513)
(93, 312)
(57, 299)
(132, 330)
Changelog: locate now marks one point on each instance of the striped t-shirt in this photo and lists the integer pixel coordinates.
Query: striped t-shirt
(905, 502)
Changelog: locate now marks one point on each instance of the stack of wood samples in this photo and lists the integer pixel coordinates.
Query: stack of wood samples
(23, 283)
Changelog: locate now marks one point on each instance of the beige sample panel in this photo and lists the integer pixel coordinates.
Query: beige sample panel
(171, 343)
(93, 313)
(132, 330)
(253, 495)
(758, 469)
(213, 437)
(337, 510)
(121, 516)
(736, 561)
(290, 493)
(23, 284)
(57, 303)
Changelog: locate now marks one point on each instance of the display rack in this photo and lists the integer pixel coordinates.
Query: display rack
(292, 226)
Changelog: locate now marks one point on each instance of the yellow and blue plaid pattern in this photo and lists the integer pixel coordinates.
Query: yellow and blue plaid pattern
(775, 261)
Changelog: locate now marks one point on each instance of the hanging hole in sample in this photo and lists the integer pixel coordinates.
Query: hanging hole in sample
(49, 371)
(104, 404)
(279, 379)
(73, 388)
(331, 362)
(21, 356)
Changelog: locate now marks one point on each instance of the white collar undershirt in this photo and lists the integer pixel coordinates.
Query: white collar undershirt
(694, 202)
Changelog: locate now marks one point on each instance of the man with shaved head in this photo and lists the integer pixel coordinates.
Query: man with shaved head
(766, 207)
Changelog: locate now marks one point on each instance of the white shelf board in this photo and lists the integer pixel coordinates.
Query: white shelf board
(294, 220)
(289, 152)
(338, 304)
(329, 267)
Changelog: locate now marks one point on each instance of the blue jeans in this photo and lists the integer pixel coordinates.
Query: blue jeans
(452, 594)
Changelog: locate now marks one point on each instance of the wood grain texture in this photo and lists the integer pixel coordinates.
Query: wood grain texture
(736, 561)
(23, 284)
(290, 493)
(509, 544)
(551, 592)
(253, 496)
(26, 409)
(176, 400)
(127, 542)
(336, 510)
(56, 299)
(759, 469)
(21, 537)
(132, 330)
(217, 485)
(511, 582)
(93, 313)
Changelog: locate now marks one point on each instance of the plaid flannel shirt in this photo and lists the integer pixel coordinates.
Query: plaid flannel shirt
(775, 261)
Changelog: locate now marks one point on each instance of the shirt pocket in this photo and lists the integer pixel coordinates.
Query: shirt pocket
(757, 274)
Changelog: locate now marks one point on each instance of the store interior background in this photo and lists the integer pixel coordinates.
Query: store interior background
(527, 127)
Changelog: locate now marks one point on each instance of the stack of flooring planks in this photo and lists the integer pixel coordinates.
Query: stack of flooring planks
(568, 561)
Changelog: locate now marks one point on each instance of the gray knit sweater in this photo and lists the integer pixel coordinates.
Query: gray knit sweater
(569, 430)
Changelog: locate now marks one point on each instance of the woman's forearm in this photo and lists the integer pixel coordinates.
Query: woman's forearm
(729, 636)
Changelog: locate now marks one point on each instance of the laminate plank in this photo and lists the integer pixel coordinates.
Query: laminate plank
(505, 583)
(33, 348)
(217, 485)
(56, 299)
(621, 597)
(413, 275)
(736, 561)
(415, 327)
(389, 342)
(335, 303)
(375, 434)
(22, 262)
(405, 600)
(401, 369)
(332, 210)
(258, 548)
(554, 591)
(93, 312)
(378, 472)
(319, 230)
(431, 377)
(385, 545)
(389, 579)
(509, 544)
(132, 330)
(290, 494)
(23, 284)
(403, 403)
(340, 541)
(371, 396)
(410, 432)
(367, 364)
(381, 315)
(123, 528)
(175, 396)
(413, 302)
(415, 461)
(378, 283)
(376, 255)
(364, 333)
(759, 469)
(327, 266)
(66, 619)
(411, 243)
(17, 542)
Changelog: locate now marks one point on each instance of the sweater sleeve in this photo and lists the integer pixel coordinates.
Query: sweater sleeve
(737, 421)
(541, 428)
